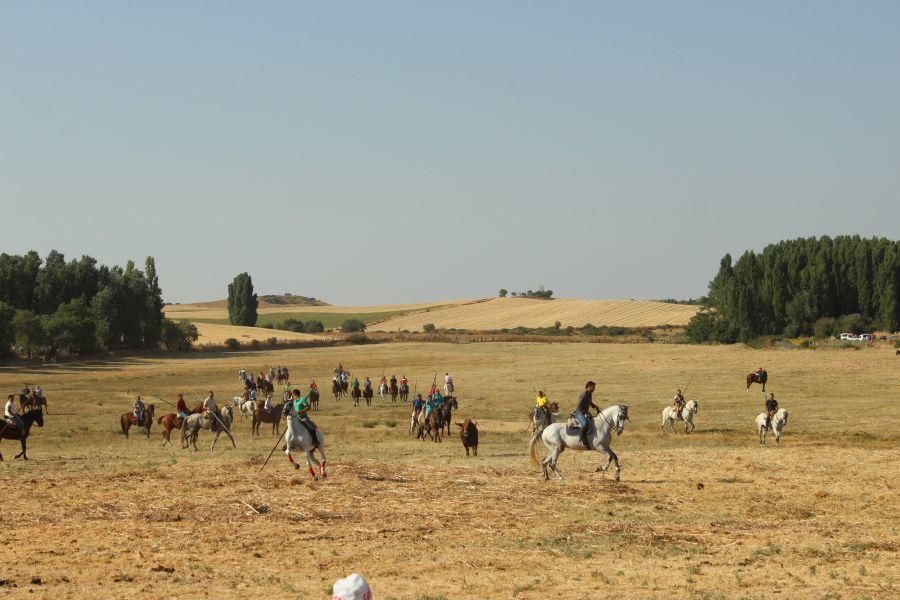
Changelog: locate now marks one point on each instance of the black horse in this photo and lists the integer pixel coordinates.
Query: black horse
(11, 432)
(447, 412)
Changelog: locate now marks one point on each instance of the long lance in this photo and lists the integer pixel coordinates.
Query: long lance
(684, 390)
(221, 424)
(278, 441)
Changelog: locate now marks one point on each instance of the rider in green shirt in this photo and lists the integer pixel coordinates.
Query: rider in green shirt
(301, 409)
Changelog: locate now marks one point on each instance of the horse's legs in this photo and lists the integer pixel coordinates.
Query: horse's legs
(215, 439)
(24, 450)
(554, 457)
(310, 459)
(322, 467)
(291, 459)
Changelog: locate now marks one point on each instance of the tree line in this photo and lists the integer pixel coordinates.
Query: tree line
(804, 286)
(48, 305)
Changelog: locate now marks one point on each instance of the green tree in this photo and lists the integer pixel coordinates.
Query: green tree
(7, 334)
(503, 293)
(242, 302)
(353, 326)
(313, 326)
(428, 327)
(179, 335)
(28, 330)
(72, 328)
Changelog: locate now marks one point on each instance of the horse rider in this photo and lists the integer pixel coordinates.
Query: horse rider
(435, 403)
(355, 385)
(338, 370)
(210, 410)
(382, 381)
(393, 381)
(38, 393)
(301, 409)
(313, 386)
(448, 383)
(418, 405)
(267, 403)
(368, 385)
(759, 374)
(181, 407)
(254, 396)
(286, 393)
(11, 416)
(583, 411)
(404, 380)
(271, 378)
(139, 408)
(771, 408)
(242, 375)
(678, 403)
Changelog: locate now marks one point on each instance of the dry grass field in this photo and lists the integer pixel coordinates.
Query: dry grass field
(710, 515)
(500, 313)
(216, 334)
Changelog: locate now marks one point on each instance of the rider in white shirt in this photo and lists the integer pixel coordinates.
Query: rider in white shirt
(11, 416)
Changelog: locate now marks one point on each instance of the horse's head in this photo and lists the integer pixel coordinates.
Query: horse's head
(783, 415)
(692, 406)
(452, 402)
(621, 417)
(37, 415)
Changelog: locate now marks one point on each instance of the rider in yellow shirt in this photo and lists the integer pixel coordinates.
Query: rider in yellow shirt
(541, 401)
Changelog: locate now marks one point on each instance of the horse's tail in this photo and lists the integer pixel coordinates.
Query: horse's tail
(159, 420)
(532, 450)
(122, 423)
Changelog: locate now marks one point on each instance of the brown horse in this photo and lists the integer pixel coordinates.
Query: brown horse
(264, 387)
(313, 398)
(127, 420)
(356, 394)
(9, 432)
(173, 421)
(31, 402)
(273, 416)
(430, 426)
(762, 378)
(393, 390)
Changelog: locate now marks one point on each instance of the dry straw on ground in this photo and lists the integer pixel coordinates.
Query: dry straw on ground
(707, 515)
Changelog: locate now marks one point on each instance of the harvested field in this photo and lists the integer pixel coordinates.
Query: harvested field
(707, 515)
(219, 311)
(216, 334)
(500, 313)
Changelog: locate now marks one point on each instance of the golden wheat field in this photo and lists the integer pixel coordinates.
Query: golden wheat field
(709, 515)
(499, 313)
(216, 334)
(219, 310)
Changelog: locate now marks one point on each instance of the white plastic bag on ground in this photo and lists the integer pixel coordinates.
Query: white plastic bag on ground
(354, 587)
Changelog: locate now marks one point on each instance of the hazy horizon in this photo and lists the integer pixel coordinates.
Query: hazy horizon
(407, 152)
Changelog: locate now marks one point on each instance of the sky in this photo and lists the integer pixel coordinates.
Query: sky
(384, 152)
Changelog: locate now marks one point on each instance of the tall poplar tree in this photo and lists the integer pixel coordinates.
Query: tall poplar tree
(242, 302)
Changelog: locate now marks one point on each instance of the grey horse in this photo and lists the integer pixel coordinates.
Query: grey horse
(194, 423)
(557, 439)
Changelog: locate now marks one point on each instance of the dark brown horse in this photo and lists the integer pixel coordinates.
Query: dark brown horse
(368, 394)
(10, 432)
(273, 416)
(761, 378)
(313, 398)
(264, 387)
(393, 390)
(31, 402)
(127, 420)
(173, 421)
(446, 411)
(356, 394)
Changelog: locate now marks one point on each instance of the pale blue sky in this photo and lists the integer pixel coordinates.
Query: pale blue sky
(605, 150)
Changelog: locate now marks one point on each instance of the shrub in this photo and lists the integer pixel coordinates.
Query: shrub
(854, 323)
(272, 341)
(179, 335)
(314, 326)
(557, 325)
(391, 423)
(293, 325)
(353, 326)
(825, 327)
(255, 343)
(428, 327)
(358, 338)
(232, 343)
(369, 424)
(503, 293)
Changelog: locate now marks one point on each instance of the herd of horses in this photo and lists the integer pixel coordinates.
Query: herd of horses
(365, 391)
(556, 437)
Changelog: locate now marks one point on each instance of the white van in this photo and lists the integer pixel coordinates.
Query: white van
(866, 337)
(848, 337)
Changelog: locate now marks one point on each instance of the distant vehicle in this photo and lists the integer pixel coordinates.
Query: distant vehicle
(866, 337)
(849, 337)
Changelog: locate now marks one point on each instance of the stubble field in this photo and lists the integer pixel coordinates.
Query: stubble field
(707, 515)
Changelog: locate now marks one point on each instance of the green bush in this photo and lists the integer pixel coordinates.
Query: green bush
(232, 343)
(825, 327)
(255, 343)
(272, 341)
(391, 423)
(353, 326)
(313, 326)
(179, 335)
(369, 424)
(428, 327)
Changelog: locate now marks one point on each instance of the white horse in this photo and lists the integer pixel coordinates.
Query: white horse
(557, 439)
(540, 418)
(297, 437)
(383, 391)
(669, 416)
(247, 407)
(779, 420)
(190, 430)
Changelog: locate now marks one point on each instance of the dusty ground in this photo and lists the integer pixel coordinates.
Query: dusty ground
(93, 514)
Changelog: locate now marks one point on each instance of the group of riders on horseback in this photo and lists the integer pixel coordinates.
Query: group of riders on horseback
(581, 419)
